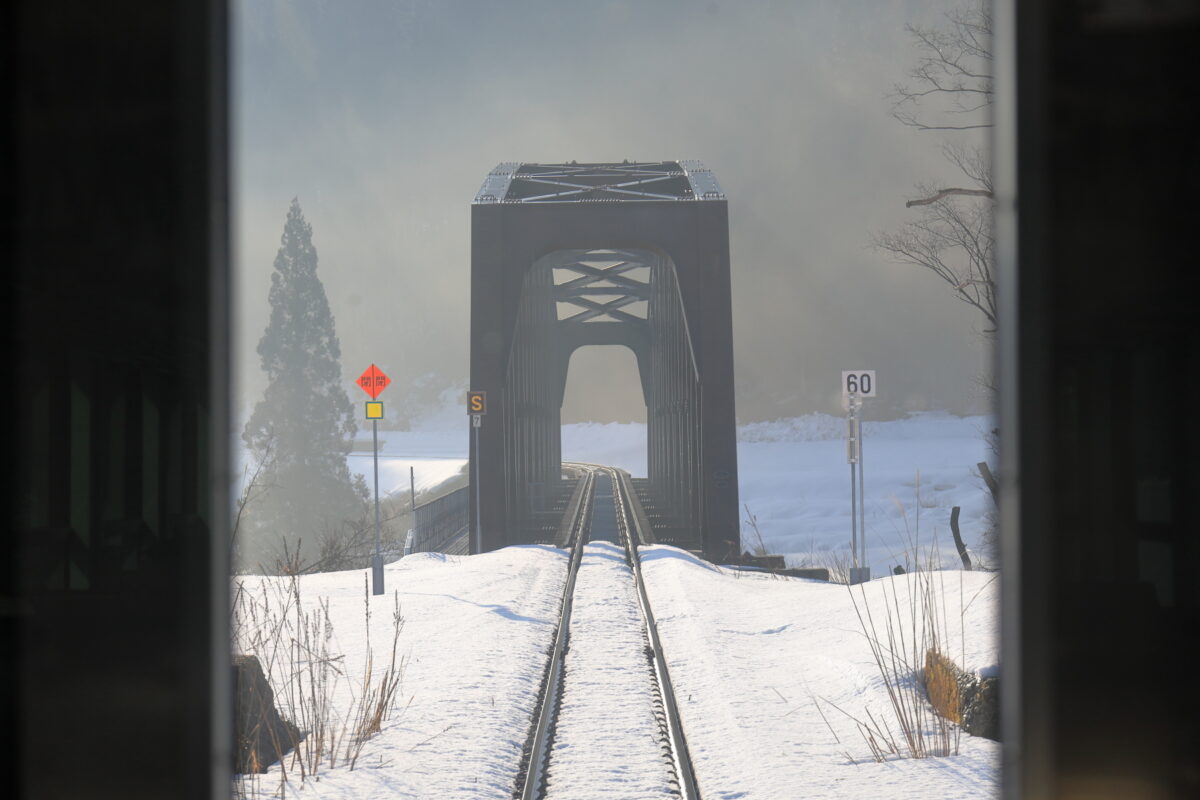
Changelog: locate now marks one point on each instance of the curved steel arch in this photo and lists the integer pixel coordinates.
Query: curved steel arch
(569, 255)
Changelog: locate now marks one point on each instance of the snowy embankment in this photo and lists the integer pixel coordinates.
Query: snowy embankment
(474, 640)
(750, 657)
(761, 666)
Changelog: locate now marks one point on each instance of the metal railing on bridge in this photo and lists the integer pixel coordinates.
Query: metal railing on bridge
(441, 525)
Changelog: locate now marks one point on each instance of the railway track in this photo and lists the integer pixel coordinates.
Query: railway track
(607, 723)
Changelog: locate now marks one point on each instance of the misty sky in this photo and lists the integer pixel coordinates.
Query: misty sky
(384, 116)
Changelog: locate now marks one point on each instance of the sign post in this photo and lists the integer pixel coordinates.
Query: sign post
(477, 407)
(856, 385)
(373, 381)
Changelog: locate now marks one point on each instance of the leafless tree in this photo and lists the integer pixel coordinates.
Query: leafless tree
(951, 83)
(949, 90)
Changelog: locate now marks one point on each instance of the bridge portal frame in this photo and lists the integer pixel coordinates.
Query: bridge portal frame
(692, 236)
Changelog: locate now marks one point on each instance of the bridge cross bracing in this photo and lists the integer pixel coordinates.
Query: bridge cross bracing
(630, 254)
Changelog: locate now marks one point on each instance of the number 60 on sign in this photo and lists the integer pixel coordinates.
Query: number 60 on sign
(860, 382)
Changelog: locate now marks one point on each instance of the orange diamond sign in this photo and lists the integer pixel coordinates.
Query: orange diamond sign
(373, 381)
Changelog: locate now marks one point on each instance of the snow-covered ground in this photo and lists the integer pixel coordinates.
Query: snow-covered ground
(758, 666)
(793, 477)
(759, 663)
(434, 457)
(474, 640)
(769, 672)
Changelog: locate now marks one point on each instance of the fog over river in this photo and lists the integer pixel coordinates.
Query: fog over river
(384, 116)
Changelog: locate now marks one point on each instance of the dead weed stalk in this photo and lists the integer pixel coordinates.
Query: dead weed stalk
(295, 643)
(904, 636)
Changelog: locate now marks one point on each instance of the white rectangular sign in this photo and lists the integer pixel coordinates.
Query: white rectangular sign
(860, 382)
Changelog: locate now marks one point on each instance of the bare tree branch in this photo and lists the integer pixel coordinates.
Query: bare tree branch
(920, 127)
(950, 89)
(973, 162)
(954, 239)
(954, 66)
(946, 193)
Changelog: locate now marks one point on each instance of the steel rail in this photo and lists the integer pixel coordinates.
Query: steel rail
(534, 772)
(627, 523)
(531, 781)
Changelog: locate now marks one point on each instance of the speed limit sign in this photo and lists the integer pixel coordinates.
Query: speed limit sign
(860, 382)
(857, 384)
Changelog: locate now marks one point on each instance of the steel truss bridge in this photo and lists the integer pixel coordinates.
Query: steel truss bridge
(636, 255)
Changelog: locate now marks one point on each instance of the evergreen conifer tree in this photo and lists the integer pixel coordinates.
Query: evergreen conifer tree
(304, 423)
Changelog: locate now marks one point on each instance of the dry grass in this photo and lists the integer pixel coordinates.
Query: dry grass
(905, 636)
(901, 638)
(295, 643)
(838, 563)
(941, 686)
(375, 698)
(758, 547)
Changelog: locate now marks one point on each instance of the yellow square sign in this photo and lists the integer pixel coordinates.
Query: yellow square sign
(374, 409)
